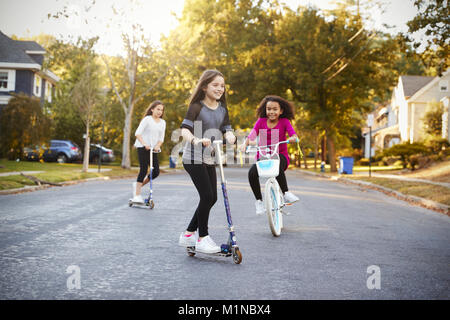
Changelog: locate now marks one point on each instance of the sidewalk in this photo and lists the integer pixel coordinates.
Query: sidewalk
(15, 173)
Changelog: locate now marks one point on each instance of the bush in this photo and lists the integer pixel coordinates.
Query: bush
(23, 123)
(408, 153)
(438, 145)
(363, 162)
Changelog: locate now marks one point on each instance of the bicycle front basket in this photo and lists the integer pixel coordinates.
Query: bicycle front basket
(268, 168)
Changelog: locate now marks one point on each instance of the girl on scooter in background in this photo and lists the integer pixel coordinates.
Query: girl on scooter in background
(208, 109)
(149, 134)
(272, 126)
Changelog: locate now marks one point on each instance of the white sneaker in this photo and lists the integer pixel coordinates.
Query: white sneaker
(187, 240)
(259, 207)
(138, 199)
(134, 189)
(290, 198)
(207, 245)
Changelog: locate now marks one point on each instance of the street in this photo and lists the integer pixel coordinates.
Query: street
(84, 242)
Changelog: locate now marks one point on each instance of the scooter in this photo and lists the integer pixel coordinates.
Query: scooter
(148, 202)
(230, 249)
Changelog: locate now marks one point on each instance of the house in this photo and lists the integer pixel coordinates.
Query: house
(21, 70)
(401, 119)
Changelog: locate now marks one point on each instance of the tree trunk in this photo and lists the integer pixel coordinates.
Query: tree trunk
(126, 162)
(331, 152)
(86, 150)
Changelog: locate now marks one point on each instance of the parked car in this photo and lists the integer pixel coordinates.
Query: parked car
(33, 153)
(62, 151)
(94, 154)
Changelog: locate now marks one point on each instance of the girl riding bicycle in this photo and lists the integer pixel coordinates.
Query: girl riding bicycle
(272, 126)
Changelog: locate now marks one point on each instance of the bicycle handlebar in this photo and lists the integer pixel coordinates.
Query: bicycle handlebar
(259, 148)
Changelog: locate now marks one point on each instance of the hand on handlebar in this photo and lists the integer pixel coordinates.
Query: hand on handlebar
(205, 141)
(293, 139)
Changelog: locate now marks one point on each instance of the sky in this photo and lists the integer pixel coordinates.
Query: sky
(26, 18)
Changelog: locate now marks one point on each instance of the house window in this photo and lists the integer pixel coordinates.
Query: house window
(4, 80)
(37, 85)
(48, 91)
(443, 85)
(7, 80)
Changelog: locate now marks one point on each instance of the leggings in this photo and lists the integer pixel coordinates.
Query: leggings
(205, 180)
(144, 163)
(253, 178)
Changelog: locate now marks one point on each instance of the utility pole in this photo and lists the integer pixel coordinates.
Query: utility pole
(369, 124)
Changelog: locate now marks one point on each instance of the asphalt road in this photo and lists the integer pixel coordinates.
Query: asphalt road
(340, 242)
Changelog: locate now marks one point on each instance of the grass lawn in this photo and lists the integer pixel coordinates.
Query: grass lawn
(424, 190)
(439, 172)
(53, 172)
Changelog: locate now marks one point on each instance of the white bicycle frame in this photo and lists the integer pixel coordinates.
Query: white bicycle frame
(273, 199)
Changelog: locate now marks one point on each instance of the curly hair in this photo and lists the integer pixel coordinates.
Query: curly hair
(286, 107)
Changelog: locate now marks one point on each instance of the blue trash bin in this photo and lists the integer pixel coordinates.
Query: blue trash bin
(172, 162)
(345, 165)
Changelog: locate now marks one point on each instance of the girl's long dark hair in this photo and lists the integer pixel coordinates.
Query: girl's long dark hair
(152, 106)
(286, 107)
(207, 77)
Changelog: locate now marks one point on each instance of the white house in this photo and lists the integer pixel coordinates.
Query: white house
(401, 119)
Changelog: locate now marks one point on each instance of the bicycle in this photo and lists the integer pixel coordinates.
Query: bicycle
(273, 199)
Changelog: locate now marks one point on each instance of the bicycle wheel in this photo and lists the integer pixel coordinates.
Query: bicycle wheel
(273, 206)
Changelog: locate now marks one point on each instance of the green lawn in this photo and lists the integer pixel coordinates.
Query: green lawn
(53, 172)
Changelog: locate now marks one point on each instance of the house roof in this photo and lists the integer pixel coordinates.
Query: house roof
(429, 85)
(29, 45)
(412, 84)
(13, 52)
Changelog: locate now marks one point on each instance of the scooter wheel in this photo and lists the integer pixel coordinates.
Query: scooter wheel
(151, 204)
(190, 252)
(237, 256)
(130, 204)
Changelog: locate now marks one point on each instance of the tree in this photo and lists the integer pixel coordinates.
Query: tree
(23, 123)
(434, 19)
(75, 64)
(85, 95)
(433, 120)
(136, 86)
(331, 65)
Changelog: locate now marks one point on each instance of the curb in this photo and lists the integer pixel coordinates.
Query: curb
(422, 202)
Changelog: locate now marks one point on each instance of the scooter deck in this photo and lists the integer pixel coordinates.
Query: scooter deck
(139, 204)
(192, 251)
